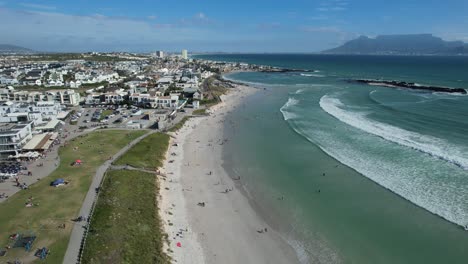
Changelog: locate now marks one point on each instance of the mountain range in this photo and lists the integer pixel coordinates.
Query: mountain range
(417, 44)
(12, 49)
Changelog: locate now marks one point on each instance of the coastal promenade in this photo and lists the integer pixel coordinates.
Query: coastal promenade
(79, 229)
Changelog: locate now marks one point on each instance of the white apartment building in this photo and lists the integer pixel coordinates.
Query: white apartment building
(155, 101)
(66, 97)
(114, 98)
(13, 137)
(48, 110)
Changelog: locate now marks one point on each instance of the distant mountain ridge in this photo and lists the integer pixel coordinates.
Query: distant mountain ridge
(10, 49)
(418, 44)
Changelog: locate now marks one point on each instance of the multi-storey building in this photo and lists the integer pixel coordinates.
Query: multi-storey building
(13, 137)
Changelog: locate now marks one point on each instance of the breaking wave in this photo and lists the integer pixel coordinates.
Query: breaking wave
(286, 109)
(433, 146)
(312, 75)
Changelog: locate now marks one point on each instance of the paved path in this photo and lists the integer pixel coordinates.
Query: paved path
(78, 231)
(128, 167)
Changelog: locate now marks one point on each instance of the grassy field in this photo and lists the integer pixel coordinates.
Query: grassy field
(125, 227)
(148, 154)
(56, 206)
(179, 125)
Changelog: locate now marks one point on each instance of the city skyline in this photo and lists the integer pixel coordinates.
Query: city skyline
(244, 26)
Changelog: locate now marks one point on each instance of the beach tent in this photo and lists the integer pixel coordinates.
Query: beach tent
(57, 182)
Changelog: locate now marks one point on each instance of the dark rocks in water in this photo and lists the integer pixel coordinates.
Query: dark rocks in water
(409, 85)
(284, 70)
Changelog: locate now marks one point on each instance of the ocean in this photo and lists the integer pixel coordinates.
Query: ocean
(351, 173)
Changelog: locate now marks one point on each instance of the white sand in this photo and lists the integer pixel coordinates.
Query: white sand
(225, 229)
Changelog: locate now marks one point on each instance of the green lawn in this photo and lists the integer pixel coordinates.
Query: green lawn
(148, 153)
(125, 227)
(57, 206)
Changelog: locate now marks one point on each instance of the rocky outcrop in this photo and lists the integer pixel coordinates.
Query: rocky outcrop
(409, 85)
(283, 70)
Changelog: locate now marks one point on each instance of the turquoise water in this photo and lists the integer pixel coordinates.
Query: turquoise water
(353, 173)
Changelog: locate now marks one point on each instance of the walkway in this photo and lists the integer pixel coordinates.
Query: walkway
(78, 231)
(128, 167)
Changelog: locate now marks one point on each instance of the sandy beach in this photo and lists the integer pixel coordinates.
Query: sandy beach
(207, 218)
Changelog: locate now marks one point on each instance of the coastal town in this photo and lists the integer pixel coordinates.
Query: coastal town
(70, 123)
(233, 132)
(41, 95)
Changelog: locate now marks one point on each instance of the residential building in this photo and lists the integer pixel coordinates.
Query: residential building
(114, 98)
(168, 102)
(147, 100)
(13, 137)
(8, 80)
(154, 100)
(66, 97)
(48, 110)
(184, 54)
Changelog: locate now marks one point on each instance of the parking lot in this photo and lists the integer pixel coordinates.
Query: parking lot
(106, 116)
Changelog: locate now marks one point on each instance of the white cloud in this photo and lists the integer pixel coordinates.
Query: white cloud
(342, 35)
(321, 29)
(337, 8)
(38, 6)
(53, 31)
(451, 32)
(333, 5)
(200, 16)
(268, 26)
(319, 17)
(152, 17)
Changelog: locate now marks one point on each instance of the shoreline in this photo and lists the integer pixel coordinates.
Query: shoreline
(202, 206)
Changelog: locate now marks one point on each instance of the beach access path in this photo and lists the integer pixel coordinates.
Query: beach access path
(207, 218)
(78, 231)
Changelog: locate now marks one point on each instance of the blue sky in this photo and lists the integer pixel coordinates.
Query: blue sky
(232, 26)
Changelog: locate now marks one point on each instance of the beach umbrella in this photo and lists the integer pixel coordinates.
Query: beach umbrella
(78, 161)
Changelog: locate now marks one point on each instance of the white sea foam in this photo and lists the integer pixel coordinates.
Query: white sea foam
(442, 191)
(424, 185)
(286, 109)
(437, 186)
(312, 75)
(301, 253)
(300, 91)
(431, 145)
